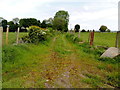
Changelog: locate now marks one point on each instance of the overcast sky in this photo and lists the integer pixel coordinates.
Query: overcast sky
(89, 14)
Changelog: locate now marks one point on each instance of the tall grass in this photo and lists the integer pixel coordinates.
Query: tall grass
(102, 39)
(92, 55)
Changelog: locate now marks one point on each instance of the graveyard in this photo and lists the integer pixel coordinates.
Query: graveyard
(61, 61)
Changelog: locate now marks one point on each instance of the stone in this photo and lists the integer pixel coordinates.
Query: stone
(111, 52)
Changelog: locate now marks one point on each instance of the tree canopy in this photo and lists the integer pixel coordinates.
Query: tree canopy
(61, 17)
(12, 27)
(59, 24)
(15, 20)
(77, 27)
(103, 28)
(43, 24)
(26, 22)
(4, 25)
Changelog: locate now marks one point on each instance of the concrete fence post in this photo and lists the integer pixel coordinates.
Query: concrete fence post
(1, 32)
(7, 35)
(17, 36)
(117, 45)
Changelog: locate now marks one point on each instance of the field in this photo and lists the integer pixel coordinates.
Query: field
(59, 63)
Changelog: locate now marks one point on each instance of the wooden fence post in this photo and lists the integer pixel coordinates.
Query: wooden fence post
(91, 38)
(1, 40)
(117, 44)
(17, 38)
(7, 35)
(79, 34)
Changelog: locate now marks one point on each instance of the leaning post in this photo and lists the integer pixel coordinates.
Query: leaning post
(7, 34)
(17, 36)
(1, 32)
(91, 38)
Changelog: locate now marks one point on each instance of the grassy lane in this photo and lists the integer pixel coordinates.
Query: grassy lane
(72, 68)
(57, 64)
(75, 68)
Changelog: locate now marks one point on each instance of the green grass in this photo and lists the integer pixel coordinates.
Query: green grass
(90, 55)
(29, 65)
(19, 60)
(102, 39)
(12, 37)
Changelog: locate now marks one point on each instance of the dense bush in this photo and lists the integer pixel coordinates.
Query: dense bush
(36, 35)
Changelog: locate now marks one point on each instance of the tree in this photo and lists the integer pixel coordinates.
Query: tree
(59, 24)
(15, 20)
(12, 27)
(62, 16)
(83, 30)
(49, 22)
(26, 22)
(4, 25)
(103, 28)
(77, 27)
(108, 30)
(1, 18)
(43, 24)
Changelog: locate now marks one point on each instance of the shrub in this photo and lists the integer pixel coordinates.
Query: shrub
(73, 38)
(35, 35)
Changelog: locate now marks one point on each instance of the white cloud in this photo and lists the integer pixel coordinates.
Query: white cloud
(89, 14)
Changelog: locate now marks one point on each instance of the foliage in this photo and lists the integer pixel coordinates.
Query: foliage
(83, 30)
(26, 22)
(73, 38)
(4, 25)
(61, 17)
(43, 24)
(77, 27)
(59, 24)
(16, 20)
(49, 22)
(12, 27)
(103, 28)
(35, 35)
(108, 30)
(1, 18)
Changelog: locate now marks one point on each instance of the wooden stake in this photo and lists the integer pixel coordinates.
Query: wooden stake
(1, 41)
(91, 38)
(7, 35)
(17, 38)
(79, 34)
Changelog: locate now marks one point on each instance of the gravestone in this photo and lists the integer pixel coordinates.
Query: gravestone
(111, 52)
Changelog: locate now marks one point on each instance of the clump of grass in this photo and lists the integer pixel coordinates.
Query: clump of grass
(94, 80)
(113, 79)
(73, 38)
(115, 60)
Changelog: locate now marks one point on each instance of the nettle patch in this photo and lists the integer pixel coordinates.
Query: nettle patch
(36, 35)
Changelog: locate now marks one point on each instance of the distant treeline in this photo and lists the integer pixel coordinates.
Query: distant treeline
(59, 22)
